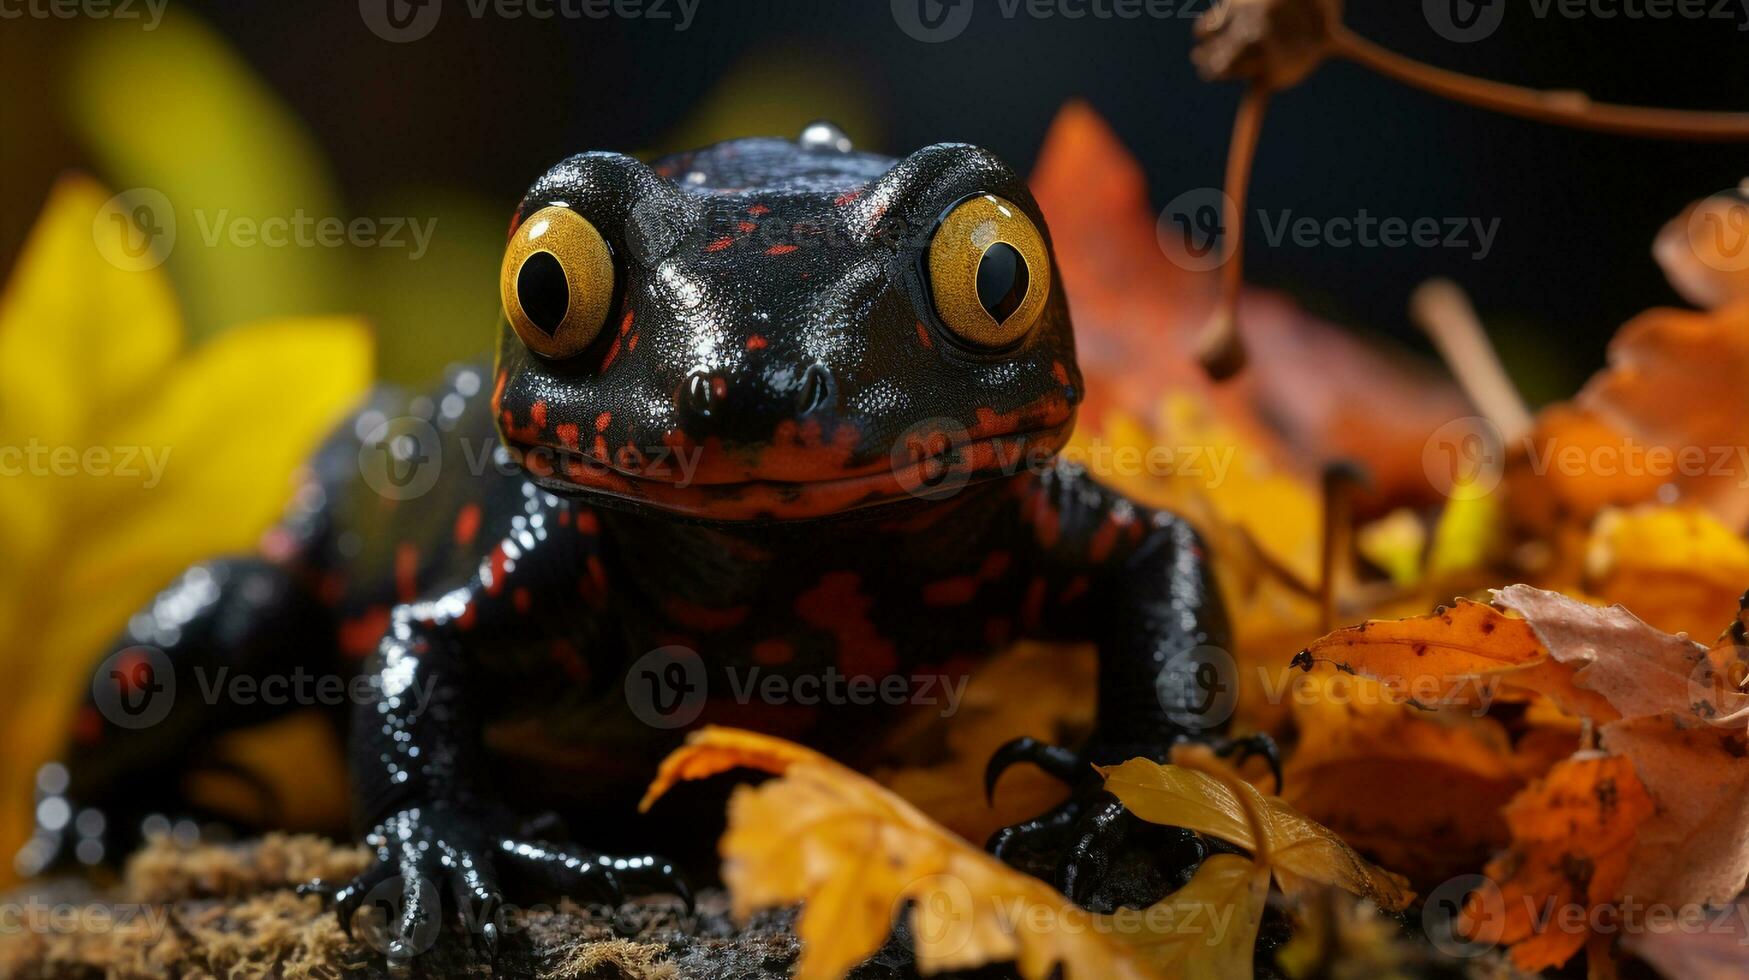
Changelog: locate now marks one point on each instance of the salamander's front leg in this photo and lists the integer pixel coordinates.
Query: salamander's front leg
(1148, 600)
(422, 784)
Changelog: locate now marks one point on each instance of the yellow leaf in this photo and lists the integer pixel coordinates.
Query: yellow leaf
(856, 856)
(1680, 568)
(1394, 543)
(1211, 922)
(1300, 850)
(179, 458)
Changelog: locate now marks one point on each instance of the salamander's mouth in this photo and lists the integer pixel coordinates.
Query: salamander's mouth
(928, 466)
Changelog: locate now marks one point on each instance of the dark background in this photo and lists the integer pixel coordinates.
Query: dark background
(488, 103)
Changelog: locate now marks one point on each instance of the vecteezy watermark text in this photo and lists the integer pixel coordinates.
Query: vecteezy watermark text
(401, 21)
(1464, 21)
(35, 458)
(149, 13)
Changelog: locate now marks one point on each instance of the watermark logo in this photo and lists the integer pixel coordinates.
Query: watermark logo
(1199, 688)
(932, 21)
(400, 21)
(941, 907)
(1464, 916)
(135, 230)
(1192, 229)
(929, 459)
(1464, 21)
(666, 688)
(1465, 458)
(400, 458)
(1718, 231)
(134, 687)
(387, 902)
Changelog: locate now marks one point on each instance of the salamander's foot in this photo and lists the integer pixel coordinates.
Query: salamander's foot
(1093, 850)
(428, 856)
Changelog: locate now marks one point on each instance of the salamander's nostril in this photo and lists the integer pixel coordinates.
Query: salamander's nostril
(702, 393)
(818, 390)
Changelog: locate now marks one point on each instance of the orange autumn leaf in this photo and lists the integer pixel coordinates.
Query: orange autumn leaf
(1664, 417)
(1468, 653)
(1701, 250)
(1414, 790)
(714, 749)
(857, 856)
(1572, 832)
(1301, 852)
(1311, 393)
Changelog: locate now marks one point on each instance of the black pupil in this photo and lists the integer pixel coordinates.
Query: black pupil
(1001, 281)
(541, 289)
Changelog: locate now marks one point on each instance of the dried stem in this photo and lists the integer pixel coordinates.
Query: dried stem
(1341, 478)
(1445, 313)
(1220, 349)
(1565, 108)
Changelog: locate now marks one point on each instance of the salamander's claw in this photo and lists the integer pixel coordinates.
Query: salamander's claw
(1247, 746)
(1065, 764)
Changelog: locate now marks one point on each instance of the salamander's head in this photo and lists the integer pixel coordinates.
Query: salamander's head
(769, 330)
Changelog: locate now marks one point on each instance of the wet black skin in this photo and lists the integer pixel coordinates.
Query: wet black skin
(517, 598)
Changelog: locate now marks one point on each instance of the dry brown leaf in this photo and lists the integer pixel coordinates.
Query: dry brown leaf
(1638, 669)
(1301, 852)
(1571, 835)
(1701, 250)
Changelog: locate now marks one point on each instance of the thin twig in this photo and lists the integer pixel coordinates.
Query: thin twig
(1565, 108)
(1445, 313)
(1220, 349)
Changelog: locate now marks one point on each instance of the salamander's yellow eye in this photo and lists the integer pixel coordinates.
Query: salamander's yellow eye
(556, 282)
(989, 273)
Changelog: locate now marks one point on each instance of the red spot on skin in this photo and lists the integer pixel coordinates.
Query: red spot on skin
(538, 412)
(758, 209)
(719, 244)
(704, 619)
(587, 522)
(923, 336)
(498, 390)
(1060, 372)
(772, 653)
(593, 585)
(719, 387)
(407, 571)
(602, 421)
(846, 197)
(632, 344)
(523, 600)
(88, 726)
(746, 226)
(467, 524)
(612, 352)
(571, 662)
(781, 249)
(961, 589)
(1099, 549)
(359, 636)
(1032, 608)
(756, 342)
(470, 615)
(568, 435)
(496, 566)
(625, 323)
(600, 448)
(1076, 588)
(838, 606)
